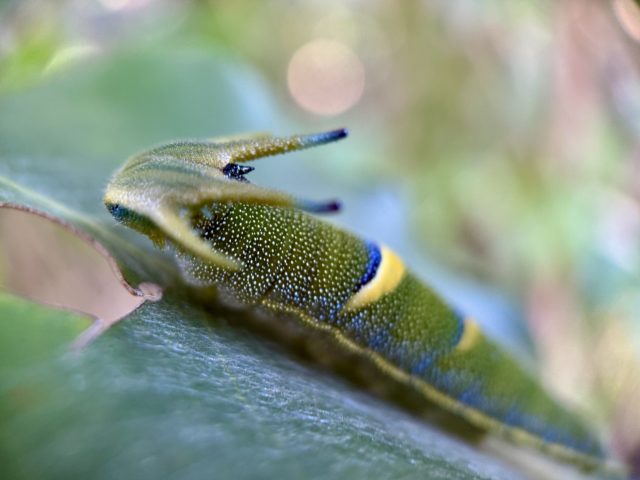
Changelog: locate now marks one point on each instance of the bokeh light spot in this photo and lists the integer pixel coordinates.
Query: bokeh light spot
(628, 14)
(115, 4)
(69, 55)
(325, 77)
(118, 5)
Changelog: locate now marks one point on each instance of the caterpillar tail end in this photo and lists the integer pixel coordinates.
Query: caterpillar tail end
(330, 206)
(256, 148)
(321, 138)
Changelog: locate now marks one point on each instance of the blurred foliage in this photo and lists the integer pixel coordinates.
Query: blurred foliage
(513, 128)
(20, 348)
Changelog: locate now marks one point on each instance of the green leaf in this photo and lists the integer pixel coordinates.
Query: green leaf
(19, 349)
(170, 393)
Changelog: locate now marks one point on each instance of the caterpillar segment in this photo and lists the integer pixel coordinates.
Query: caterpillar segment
(261, 249)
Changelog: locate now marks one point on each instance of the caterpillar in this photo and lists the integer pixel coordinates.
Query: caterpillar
(263, 249)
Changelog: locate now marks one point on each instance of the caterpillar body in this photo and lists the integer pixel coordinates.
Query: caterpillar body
(262, 248)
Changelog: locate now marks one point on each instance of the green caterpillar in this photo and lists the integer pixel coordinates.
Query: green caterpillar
(263, 251)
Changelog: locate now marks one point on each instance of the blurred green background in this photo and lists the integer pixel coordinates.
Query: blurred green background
(495, 145)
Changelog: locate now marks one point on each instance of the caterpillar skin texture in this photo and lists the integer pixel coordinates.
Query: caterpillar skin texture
(260, 248)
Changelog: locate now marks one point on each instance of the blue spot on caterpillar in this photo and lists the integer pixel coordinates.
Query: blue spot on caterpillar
(373, 262)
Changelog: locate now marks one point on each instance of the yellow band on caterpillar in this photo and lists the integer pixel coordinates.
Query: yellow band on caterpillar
(387, 278)
(470, 335)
